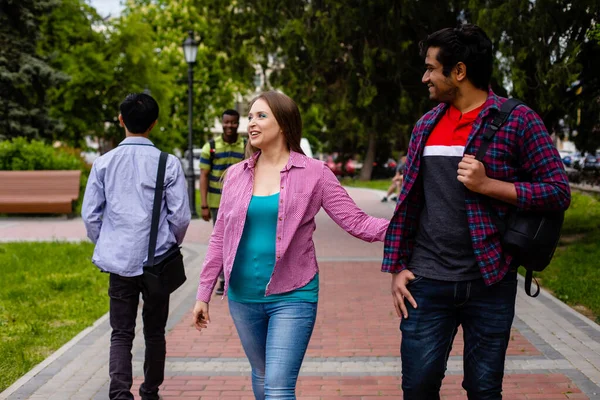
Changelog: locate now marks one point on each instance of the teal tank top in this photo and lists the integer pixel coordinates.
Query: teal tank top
(255, 258)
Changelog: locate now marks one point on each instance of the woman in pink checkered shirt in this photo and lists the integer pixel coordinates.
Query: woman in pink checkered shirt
(262, 240)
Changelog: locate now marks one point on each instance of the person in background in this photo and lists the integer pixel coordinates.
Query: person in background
(397, 180)
(263, 242)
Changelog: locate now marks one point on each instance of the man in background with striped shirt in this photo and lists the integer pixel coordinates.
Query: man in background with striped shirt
(217, 155)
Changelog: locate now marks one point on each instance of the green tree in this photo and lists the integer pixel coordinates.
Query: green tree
(73, 46)
(354, 65)
(104, 61)
(545, 49)
(223, 67)
(585, 96)
(25, 76)
(133, 59)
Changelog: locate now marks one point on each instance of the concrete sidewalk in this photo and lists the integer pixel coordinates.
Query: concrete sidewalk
(353, 354)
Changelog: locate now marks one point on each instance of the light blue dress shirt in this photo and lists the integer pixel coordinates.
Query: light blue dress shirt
(117, 206)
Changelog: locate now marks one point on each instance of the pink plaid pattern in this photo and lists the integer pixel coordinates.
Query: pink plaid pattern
(521, 152)
(306, 186)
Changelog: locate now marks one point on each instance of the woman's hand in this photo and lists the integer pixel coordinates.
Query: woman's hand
(200, 315)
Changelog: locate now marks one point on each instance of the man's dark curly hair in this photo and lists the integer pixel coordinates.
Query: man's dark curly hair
(468, 44)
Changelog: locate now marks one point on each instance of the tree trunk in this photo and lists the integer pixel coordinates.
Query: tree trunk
(367, 168)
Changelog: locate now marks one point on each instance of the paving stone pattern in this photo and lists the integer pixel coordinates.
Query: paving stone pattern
(554, 352)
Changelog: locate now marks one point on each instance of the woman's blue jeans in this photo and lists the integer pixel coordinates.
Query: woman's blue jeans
(275, 337)
(485, 313)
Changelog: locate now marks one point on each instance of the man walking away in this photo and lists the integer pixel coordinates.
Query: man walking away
(117, 213)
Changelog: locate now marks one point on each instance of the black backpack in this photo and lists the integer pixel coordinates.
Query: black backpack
(530, 237)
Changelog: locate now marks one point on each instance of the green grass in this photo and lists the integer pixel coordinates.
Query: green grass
(574, 274)
(49, 292)
(381, 184)
(583, 216)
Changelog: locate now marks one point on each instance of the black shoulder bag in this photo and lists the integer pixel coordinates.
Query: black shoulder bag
(530, 237)
(164, 274)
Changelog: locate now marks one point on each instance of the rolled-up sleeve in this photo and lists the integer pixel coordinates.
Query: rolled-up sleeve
(213, 262)
(178, 208)
(93, 205)
(548, 189)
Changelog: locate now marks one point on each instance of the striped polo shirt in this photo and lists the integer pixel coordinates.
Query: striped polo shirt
(226, 154)
(443, 247)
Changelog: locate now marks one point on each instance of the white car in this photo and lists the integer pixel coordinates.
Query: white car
(305, 146)
(196, 163)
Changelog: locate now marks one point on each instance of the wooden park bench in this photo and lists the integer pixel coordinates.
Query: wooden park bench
(38, 192)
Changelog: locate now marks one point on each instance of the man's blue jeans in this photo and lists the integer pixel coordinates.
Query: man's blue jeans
(275, 337)
(485, 314)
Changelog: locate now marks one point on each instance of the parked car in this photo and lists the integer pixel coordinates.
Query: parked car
(196, 163)
(590, 162)
(567, 157)
(576, 160)
(351, 168)
(385, 170)
(305, 146)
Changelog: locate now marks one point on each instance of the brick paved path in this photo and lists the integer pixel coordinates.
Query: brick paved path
(354, 352)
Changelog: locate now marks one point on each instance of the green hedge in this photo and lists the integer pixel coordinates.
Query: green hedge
(19, 154)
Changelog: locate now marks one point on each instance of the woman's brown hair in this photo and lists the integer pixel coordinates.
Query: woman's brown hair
(288, 117)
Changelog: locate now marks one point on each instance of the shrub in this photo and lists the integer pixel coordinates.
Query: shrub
(20, 155)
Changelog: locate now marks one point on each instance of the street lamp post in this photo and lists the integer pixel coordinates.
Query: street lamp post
(190, 50)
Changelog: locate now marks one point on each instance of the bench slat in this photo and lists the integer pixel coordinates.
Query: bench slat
(38, 191)
(37, 208)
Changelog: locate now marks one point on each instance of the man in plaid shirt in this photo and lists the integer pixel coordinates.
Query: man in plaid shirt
(442, 246)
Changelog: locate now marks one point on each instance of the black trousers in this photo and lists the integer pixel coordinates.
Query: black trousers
(124, 296)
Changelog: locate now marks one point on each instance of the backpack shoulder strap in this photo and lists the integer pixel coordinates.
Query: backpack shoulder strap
(499, 120)
(213, 150)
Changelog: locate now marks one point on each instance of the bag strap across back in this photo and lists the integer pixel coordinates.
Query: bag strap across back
(213, 150)
(158, 191)
(497, 122)
(499, 119)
